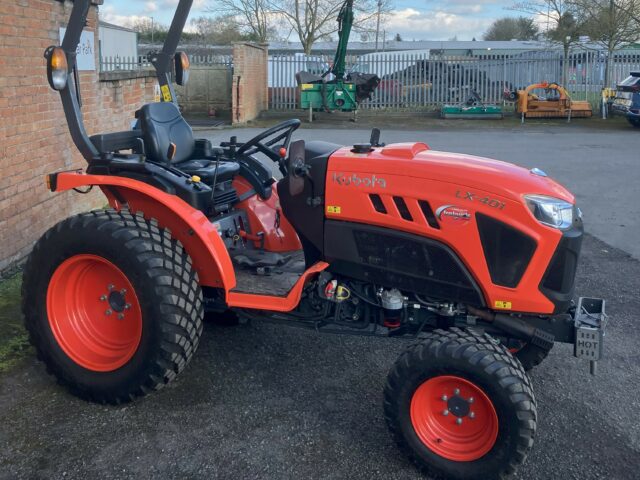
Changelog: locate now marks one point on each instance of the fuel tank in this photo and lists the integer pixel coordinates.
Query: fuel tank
(473, 206)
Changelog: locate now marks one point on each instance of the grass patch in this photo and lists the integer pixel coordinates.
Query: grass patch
(14, 343)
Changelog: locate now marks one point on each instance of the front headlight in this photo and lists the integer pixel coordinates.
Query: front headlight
(550, 211)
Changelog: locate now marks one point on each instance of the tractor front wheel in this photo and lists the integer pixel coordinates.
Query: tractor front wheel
(530, 355)
(461, 407)
(112, 305)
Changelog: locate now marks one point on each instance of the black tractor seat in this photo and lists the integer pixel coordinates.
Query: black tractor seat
(168, 139)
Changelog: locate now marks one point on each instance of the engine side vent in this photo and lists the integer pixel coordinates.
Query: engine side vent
(377, 203)
(428, 214)
(402, 208)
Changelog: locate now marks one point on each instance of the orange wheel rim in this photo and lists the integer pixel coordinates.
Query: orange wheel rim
(454, 418)
(94, 313)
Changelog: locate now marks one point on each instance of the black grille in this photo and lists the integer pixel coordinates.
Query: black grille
(224, 197)
(561, 272)
(507, 251)
(558, 281)
(562, 269)
(377, 203)
(428, 214)
(414, 265)
(403, 210)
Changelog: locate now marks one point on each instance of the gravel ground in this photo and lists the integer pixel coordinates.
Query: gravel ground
(270, 402)
(261, 401)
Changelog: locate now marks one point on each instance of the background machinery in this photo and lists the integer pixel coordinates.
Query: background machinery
(472, 108)
(334, 89)
(555, 103)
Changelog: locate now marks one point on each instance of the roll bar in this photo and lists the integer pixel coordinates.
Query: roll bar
(70, 94)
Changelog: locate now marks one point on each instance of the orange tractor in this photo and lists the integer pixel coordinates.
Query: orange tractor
(473, 258)
(554, 102)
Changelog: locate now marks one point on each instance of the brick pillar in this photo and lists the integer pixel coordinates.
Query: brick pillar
(249, 90)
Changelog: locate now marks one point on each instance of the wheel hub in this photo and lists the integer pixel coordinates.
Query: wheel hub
(458, 406)
(454, 418)
(87, 300)
(117, 302)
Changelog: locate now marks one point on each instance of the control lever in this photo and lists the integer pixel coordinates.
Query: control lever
(232, 146)
(375, 138)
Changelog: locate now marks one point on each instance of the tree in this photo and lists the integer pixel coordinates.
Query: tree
(149, 31)
(562, 25)
(635, 14)
(398, 38)
(610, 24)
(153, 32)
(220, 30)
(510, 28)
(253, 16)
(313, 20)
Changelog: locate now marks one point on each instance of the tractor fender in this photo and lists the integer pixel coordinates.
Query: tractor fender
(187, 225)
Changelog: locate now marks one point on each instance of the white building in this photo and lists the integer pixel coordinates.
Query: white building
(118, 47)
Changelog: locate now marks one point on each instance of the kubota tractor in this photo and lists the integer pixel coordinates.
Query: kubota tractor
(473, 258)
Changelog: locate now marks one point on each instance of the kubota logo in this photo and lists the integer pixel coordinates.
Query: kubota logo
(356, 181)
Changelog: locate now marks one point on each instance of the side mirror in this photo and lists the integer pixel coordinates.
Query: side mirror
(182, 65)
(296, 168)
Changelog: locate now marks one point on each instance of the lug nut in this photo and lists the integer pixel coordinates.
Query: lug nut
(456, 391)
(120, 316)
(103, 298)
(127, 306)
(459, 421)
(110, 287)
(445, 413)
(444, 398)
(108, 312)
(471, 400)
(123, 291)
(472, 414)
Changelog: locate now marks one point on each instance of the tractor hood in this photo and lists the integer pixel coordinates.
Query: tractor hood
(418, 161)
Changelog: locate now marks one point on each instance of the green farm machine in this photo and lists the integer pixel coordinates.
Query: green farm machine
(334, 89)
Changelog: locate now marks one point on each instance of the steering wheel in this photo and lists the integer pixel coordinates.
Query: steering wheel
(281, 134)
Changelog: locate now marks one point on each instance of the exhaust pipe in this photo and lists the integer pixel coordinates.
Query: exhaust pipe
(515, 327)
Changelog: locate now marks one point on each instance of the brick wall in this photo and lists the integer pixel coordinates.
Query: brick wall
(249, 92)
(34, 138)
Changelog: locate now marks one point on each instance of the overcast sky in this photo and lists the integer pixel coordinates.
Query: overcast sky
(412, 19)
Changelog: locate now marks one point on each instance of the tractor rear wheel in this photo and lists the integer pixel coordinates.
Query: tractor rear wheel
(112, 305)
(460, 406)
